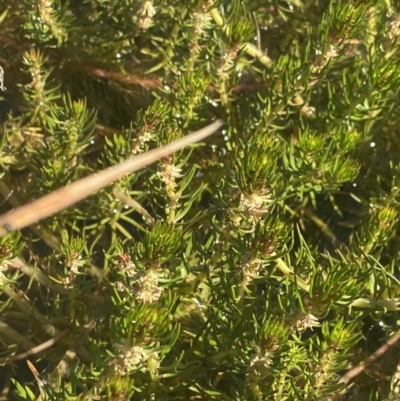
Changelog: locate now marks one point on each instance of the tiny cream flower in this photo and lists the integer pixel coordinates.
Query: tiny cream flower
(146, 286)
(2, 87)
(145, 15)
(200, 22)
(394, 29)
(169, 173)
(303, 321)
(128, 357)
(3, 278)
(254, 205)
(258, 366)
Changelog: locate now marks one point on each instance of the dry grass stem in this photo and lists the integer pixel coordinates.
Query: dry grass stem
(81, 189)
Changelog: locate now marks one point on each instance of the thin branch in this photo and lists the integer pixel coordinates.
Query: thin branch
(29, 310)
(19, 264)
(249, 48)
(77, 345)
(37, 349)
(352, 373)
(135, 205)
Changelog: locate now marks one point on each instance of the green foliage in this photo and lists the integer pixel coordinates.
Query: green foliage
(249, 267)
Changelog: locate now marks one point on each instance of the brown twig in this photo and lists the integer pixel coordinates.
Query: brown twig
(37, 349)
(4, 394)
(77, 345)
(116, 76)
(149, 82)
(37, 275)
(352, 373)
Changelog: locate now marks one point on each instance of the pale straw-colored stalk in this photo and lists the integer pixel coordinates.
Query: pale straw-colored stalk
(78, 190)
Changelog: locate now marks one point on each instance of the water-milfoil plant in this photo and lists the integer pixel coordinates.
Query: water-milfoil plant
(260, 263)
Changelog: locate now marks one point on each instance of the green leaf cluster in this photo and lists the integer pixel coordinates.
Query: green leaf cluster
(252, 266)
